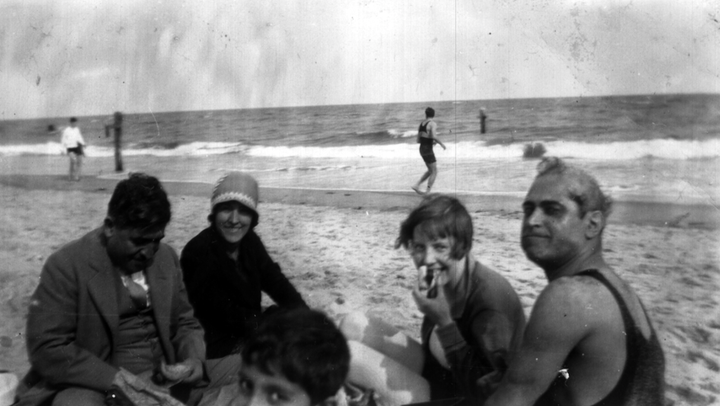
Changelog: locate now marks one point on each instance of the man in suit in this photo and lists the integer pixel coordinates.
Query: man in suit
(112, 300)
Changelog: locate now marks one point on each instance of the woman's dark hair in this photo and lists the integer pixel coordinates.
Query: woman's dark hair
(440, 216)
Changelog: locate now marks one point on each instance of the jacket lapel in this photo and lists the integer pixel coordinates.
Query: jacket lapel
(161, 295)
(103, 286)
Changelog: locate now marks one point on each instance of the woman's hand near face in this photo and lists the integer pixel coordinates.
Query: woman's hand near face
(437, 309)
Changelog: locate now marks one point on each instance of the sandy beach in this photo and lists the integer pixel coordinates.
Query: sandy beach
(337, 248)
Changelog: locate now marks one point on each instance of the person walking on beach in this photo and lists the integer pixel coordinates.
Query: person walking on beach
(226, 269)
(73, 144)
(111, 308)
(473, 319)
(589, 340)
(427, 137)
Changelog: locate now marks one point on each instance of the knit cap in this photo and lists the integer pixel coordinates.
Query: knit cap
(237, 186)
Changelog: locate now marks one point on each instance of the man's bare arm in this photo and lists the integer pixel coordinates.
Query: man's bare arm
(557, 324)
(432, 133)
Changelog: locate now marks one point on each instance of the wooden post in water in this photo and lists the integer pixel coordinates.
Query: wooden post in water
(117, 129)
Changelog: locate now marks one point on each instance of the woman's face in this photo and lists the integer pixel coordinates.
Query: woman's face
(435, 255)
(232, 221)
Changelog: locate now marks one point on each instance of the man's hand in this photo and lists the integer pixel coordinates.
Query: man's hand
(129, 389)
(488, 384)
(436, 309)
(189, 371)
(197, 370)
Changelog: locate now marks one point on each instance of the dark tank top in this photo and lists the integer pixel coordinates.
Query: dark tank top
(423, 129)
(643, 379)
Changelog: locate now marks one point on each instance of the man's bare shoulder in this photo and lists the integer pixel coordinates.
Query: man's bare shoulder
(578, 297)
(573, 287)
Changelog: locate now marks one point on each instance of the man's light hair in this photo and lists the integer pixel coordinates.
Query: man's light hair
(583, 188)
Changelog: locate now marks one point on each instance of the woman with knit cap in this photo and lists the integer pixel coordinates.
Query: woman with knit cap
(226, 268)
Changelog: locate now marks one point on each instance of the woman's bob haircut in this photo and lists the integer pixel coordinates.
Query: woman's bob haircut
(440, 216)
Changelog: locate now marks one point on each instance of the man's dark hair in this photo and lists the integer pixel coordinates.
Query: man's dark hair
(429, 112)
(139, 202)
(440, 216)
(73, 119)
(304, 346)
(583, 187)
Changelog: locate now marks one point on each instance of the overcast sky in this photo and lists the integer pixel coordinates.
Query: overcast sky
(61, 58)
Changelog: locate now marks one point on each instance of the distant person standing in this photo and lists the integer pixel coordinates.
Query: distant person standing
(73, 143)
(117, 127)
(427, 137)
(482, 118)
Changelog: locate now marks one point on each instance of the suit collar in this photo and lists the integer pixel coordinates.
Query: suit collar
(104, 286)
(161, 294)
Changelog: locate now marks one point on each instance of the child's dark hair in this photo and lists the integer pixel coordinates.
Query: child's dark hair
(440, 216)
(304, 346)
(138, 202)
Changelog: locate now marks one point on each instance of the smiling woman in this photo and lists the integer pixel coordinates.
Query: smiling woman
(233, 220)
(226, 268)
(473, 320)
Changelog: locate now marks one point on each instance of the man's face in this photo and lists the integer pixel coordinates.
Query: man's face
(132, 249)
(260, 389)
(232, 221)
(552, 230)
(434, 253)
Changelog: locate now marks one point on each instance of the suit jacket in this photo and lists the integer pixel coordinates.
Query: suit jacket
(73, 318)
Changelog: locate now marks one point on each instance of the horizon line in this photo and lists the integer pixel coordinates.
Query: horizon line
(370, 104)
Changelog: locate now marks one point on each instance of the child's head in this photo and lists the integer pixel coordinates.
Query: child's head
(296, 357)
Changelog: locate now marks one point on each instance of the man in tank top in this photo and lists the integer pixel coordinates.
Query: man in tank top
(427, 137)
(589, 340)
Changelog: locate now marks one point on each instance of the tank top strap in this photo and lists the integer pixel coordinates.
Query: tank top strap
(641, 382)
(595, 274)
(632, 335)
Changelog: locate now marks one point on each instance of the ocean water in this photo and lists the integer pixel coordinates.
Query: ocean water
(639, 147)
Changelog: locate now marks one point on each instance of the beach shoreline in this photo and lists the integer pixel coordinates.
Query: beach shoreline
(640, 210)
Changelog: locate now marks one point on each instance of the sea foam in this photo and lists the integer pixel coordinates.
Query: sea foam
(465, 150)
